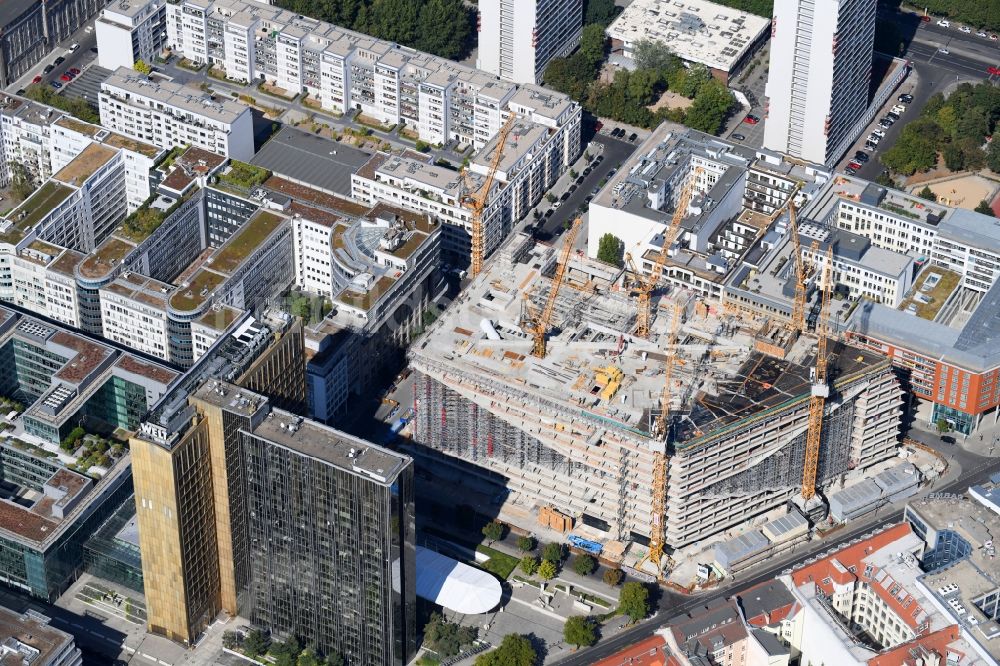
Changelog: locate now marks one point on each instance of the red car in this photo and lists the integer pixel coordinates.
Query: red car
(37, 79)
(854, 164)
(751, 120)
(66, 77)
(925, 19)
(74, 71)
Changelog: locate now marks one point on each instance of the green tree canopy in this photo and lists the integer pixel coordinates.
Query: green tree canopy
(634, 601)
(525, 543)
(514, 650)
(649, 54)
(613, 576)
(601, 12)
(553, 552)
(547, 570)
(529, 564)
(494, 530)
(985, 209)
(141, 66)
(927, 193)
(584, 565)
(611, 250)
(255, 643)
(579, 631)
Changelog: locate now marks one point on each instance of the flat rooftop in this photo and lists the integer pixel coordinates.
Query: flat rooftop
(141, 289)
(245, 242)
(695, 30)
(191, 164)
(312, 159)
(85, 165)
(196, 292)
(21, 220)
(105, 258)
(33, 631)
(192, 100)
(312, 196)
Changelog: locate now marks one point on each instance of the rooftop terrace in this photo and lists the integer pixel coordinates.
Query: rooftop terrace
(198, 290)
(23, 218)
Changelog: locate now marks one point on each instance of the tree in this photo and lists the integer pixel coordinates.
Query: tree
(993, 156)
(634, 601)
(927, 193)
(494, 530)
(611, 250)
(649, 54)
(579, 631)
(514, 650)
(592, 42)
(710, 108)
(287, 653)
(584, 565)
(985, 209)
(602, 12)
(21, 182)
(334, 659)
(308, 658)
(422, 146)
(447, 638)
(141, 67)
(444, 28)
(553, 552)
(954, 160)
(525, 543)
(529, 564)
(229, 640)
(547, 570)
(613, 576)
(255, 643)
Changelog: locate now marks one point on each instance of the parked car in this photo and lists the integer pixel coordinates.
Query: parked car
(75, 71)
(633, 136)
(850, 171)
(854, 164)
(879, 133)
(898, 108)
(66, 77)
(19, 92)
(73, 47)
(874, 138)
(944, 51)
(905, 98)
(739, 137)
(48, 68)
(58, 61)
(55, 84)
(861, 156)
(37, 79)
(944, 23)
(981, 34)
(751, 120)
(870, 146)
(966, 29)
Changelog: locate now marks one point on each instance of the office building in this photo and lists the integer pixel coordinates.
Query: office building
(31, 29)
(439, 101)
(28, 639)
(518, 38)
(237, 481)
(819, 76)
(169, 114)
(131, 30)
(698, 32)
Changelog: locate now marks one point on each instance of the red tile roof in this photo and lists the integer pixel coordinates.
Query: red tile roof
(836, 568)
(650, 652)
(908, 653)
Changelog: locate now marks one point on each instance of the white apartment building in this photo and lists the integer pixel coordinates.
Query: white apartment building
(24, 126)
(820, 70)
(518, 38)
(169, 114)
(345, 71)
(134, 313)
(130, 30)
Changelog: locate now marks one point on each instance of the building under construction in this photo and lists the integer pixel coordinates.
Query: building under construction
(570, 434)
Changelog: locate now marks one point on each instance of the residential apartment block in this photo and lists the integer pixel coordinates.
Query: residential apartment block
(169, 114)
(820, 71)
(439, 100)
(131, 30)
(518, 38)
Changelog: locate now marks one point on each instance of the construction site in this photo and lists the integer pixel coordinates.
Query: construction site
(641, 417)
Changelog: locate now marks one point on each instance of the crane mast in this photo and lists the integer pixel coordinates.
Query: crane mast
(476, 198)
(647, 286)
(798, 322)
(539, 327)
(820, 389)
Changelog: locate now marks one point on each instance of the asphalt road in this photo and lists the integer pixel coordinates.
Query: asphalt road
(615, 153)
(673, 604)
(80, 58)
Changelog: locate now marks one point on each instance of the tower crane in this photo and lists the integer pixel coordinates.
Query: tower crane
(820, 390)
(661, 429)
(539, 325)
(798, 322)
(647, 286)
(475, 198)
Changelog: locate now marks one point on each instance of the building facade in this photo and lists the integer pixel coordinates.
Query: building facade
(31, 29)
(129, 31)
(820, 71)
(518, 38)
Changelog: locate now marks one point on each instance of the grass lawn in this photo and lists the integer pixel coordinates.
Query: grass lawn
(499, 564)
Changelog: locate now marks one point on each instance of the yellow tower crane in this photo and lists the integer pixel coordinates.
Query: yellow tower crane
(820, 389)
(475, 198)
(661, 429)
(539, 325)
(798, 322)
